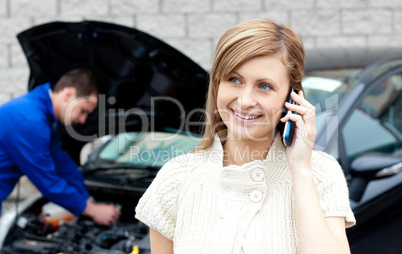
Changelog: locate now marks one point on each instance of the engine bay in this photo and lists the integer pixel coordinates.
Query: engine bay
(31, 235)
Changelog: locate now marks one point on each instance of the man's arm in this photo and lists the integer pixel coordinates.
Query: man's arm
(66, 168)
(31, 152)
(28, 147)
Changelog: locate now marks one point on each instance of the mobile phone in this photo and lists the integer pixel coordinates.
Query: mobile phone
(289, 130)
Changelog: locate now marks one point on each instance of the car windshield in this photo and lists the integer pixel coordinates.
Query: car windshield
(151, 149)
(325, 88)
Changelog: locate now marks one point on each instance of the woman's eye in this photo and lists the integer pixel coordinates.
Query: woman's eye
(265, 87)
(234, 80)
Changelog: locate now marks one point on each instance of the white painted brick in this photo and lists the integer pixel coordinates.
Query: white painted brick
(385, 41)
(319, 22)
(207, 66)
(367, 22)
(214, 44)
(308, 42)
(341, 41)
(20, 92)
(288, 4)
(168, 26)
(198, 50)
(18, 58)
(341, 3)
(4, 97)
(63, 18)
(385, 3)
(10, 27)
(124, 20)
(4, 56)
(120, 20)
(210, 25)
(398, 22)
(32, 8)
(237, 5)
(125, 7)
(3, 8)
(14, 81)
(185, 6)
(79, 7)
(280, 17)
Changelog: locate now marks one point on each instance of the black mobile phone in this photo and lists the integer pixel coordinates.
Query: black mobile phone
(289, 130)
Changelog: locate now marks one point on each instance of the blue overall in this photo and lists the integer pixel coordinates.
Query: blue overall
(29, 146)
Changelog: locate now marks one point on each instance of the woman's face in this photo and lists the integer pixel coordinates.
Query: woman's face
(251, 99)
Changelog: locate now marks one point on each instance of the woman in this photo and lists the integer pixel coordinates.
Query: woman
(242, 190)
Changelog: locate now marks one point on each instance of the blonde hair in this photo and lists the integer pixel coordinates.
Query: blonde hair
(239, 44)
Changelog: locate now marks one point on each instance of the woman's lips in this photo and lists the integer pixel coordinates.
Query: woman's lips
(245, 117)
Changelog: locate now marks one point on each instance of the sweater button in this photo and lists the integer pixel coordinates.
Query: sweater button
(256, 196)
(257, 174)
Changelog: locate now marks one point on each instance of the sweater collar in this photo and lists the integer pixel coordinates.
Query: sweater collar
(259, 175)
(277, 152)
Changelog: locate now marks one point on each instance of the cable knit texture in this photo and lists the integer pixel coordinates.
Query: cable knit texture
(207, 208)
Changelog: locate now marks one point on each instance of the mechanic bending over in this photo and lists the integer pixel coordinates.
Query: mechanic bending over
(29, 144)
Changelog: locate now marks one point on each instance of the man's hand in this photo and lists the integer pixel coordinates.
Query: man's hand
(105, 214)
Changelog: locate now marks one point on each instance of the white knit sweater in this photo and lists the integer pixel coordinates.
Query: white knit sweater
(207, 208)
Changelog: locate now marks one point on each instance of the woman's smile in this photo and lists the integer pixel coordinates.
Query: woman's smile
(245, 117)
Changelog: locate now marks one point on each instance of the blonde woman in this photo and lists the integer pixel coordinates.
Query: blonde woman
(242, 190)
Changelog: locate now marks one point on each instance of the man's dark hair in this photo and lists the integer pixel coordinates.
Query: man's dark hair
(83, 80)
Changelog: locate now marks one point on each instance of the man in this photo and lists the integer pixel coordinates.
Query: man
(29, 144)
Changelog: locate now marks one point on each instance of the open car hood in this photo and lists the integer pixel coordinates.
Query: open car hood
(144, 83)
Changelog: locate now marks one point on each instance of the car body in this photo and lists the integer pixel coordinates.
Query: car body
(151, 94)
(119, 170)
(146, 87)
(359, 121)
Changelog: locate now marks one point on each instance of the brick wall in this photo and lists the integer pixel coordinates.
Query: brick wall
(194, 26)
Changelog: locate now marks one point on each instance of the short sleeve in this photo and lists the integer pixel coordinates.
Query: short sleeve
(332, 188)
(158, 207)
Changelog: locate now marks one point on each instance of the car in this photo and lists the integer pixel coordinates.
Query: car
(119, 170)
(143, 120)
(147, 91)
(357, 94)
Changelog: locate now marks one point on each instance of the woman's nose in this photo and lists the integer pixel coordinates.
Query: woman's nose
(247, 99)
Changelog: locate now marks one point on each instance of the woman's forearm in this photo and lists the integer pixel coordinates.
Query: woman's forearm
(159, 243)
(315, 234)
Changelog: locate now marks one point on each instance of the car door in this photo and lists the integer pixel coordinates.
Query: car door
(375, 127)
